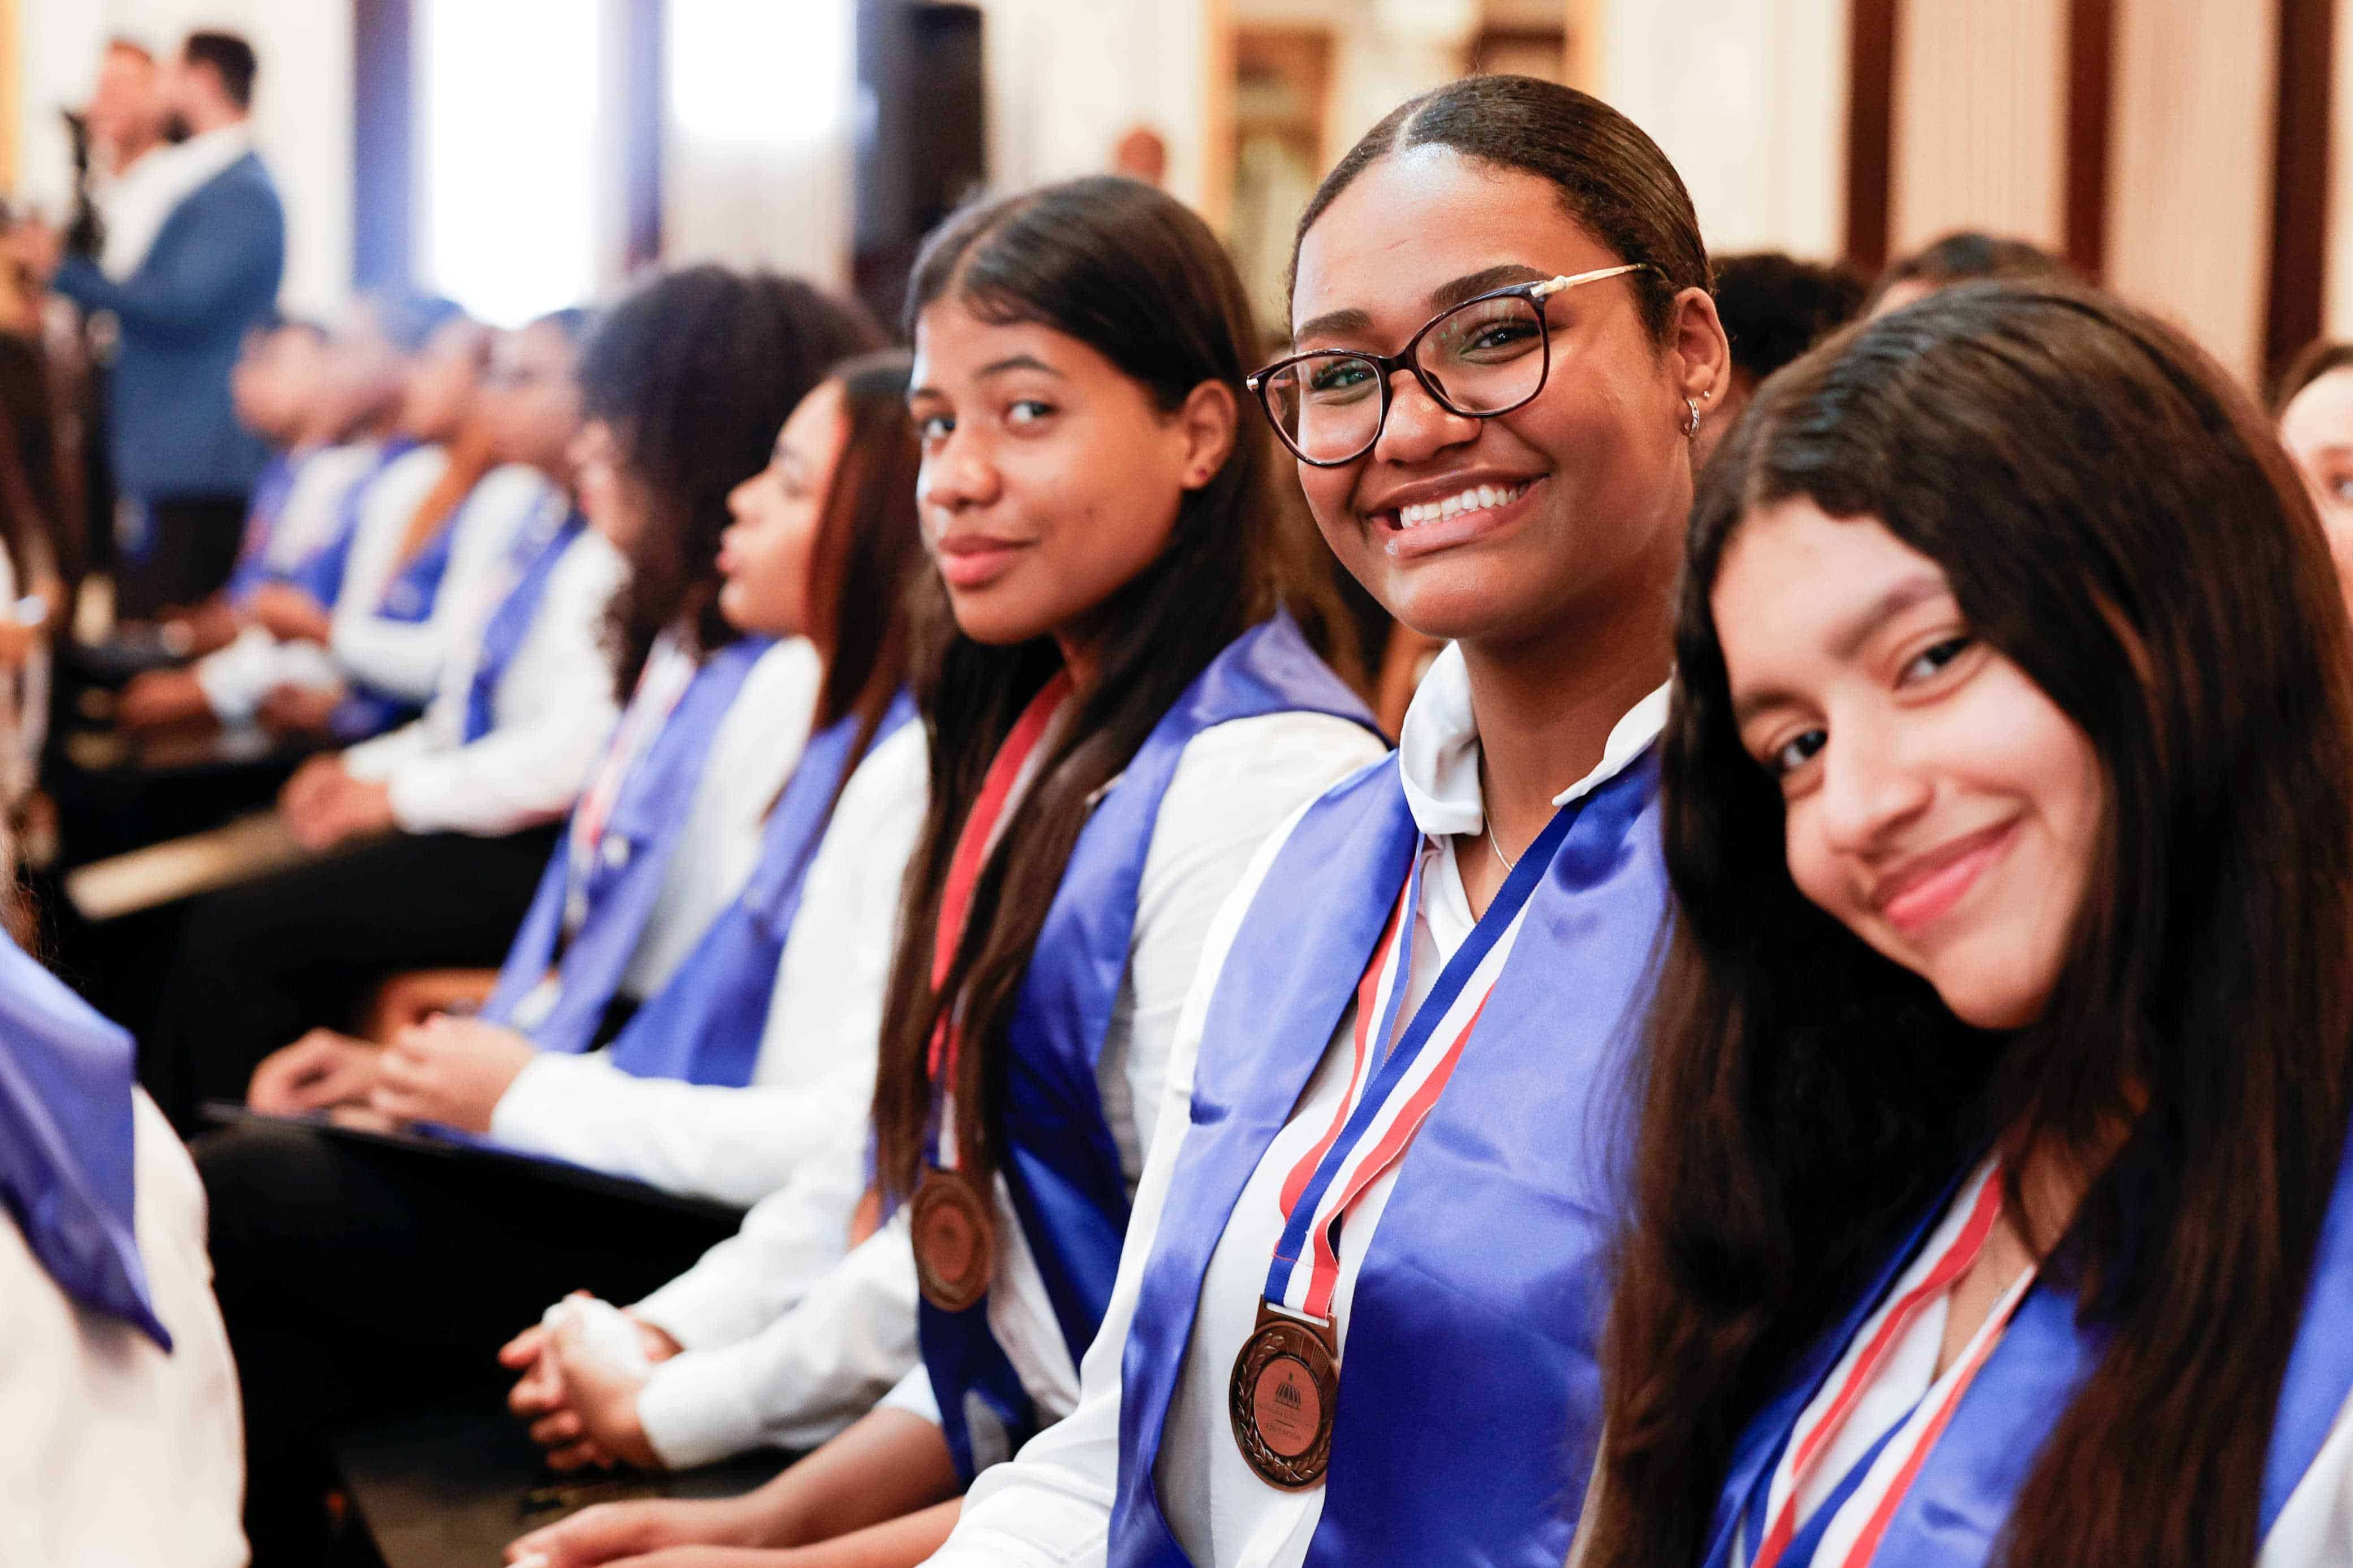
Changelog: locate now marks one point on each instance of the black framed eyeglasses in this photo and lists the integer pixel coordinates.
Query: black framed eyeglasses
(1485, 356)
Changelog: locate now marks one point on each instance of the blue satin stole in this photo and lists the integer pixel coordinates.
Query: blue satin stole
(1061, 1162)
(621, 888)
(67, 1142)
(705, 1025)
(261, 513)
(409, 598)
(1961, 1500)
(1469, 1399)
(533, 557)
(320, 573)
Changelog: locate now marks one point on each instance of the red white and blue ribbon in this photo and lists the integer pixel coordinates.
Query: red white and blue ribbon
(1844, 1529)
(1009, 773)
(1390, 1096)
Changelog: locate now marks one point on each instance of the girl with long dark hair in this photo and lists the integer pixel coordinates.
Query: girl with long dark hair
(1992, 1202)
(1121, 710)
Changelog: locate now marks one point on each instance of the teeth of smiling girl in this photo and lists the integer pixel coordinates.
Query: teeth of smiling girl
(1476, 497)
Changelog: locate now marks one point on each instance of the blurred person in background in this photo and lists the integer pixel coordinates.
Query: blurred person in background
(125, 121)
(1963, 256)
(201, 252)
(1774, 308)
(2314, 405)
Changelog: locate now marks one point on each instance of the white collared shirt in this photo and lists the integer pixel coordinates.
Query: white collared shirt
(787, 1341)
(2315, 1527)
(815, 1072)
(115, 1451)
(1052, 1505)
(405, 657)
(551, 712)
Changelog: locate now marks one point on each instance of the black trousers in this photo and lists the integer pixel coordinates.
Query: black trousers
(359, 1282)
(191, 544)
(259, 965)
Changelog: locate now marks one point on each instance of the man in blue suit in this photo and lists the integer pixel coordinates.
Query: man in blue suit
(208, 276)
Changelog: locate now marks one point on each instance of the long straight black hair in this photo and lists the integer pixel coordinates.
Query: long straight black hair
(1137, 276)
(2115, 519)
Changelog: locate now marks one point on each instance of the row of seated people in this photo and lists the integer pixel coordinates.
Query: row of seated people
(1798, 968)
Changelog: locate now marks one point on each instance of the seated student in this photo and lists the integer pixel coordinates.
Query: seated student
(368, 361)
(1774, 308)
(122, 1439)
(277, 389)
(1120, 716)
(1994, 1186)
(367, 659)
(2314, 406)
(1964, 256)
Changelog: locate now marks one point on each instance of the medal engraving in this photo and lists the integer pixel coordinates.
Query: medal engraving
(1283, 1397)
(955, 1236)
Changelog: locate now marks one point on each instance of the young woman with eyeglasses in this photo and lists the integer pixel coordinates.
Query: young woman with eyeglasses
(1356, 1318)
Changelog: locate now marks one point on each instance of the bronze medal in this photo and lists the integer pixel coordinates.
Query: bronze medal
(1284, 1393)
(955, 1240)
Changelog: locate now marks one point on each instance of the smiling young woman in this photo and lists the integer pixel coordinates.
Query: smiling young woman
(1354, 1320)
(1992, 1202)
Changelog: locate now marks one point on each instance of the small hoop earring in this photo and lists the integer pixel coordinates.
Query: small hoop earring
(1690, 426)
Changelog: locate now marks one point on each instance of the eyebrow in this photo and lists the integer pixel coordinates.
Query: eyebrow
(1015, 361)
(1847, 637)
(1445, 297)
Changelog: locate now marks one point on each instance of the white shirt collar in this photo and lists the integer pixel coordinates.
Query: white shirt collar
(1438, 750)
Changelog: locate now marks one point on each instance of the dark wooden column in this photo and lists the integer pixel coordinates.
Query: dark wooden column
(2299, 264)
(2091, 88)
(1870, 132)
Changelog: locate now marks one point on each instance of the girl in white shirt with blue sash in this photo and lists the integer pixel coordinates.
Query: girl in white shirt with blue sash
(1994, 1206)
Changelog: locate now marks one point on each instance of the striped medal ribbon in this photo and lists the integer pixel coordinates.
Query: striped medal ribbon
(952, 1219)
(1874, 1487)
(661, 684)
(1283, 1397)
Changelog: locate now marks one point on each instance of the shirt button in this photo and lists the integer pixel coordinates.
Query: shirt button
(617, 851)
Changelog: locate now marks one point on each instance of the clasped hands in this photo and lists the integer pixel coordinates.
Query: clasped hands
(448, 1069)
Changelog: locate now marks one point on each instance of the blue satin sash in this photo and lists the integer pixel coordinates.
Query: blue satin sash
(1061, 1162)
(1961, 1500)
(320, 573)
(706, 1025)
(408, 599)
(533, 557)
(1469, 1383)
(619, 890)
(67, 1154)
(261, 513)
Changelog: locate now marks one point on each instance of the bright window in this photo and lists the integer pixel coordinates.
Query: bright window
(509, 119)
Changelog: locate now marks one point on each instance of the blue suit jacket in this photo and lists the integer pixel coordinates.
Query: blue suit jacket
(212, 274)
